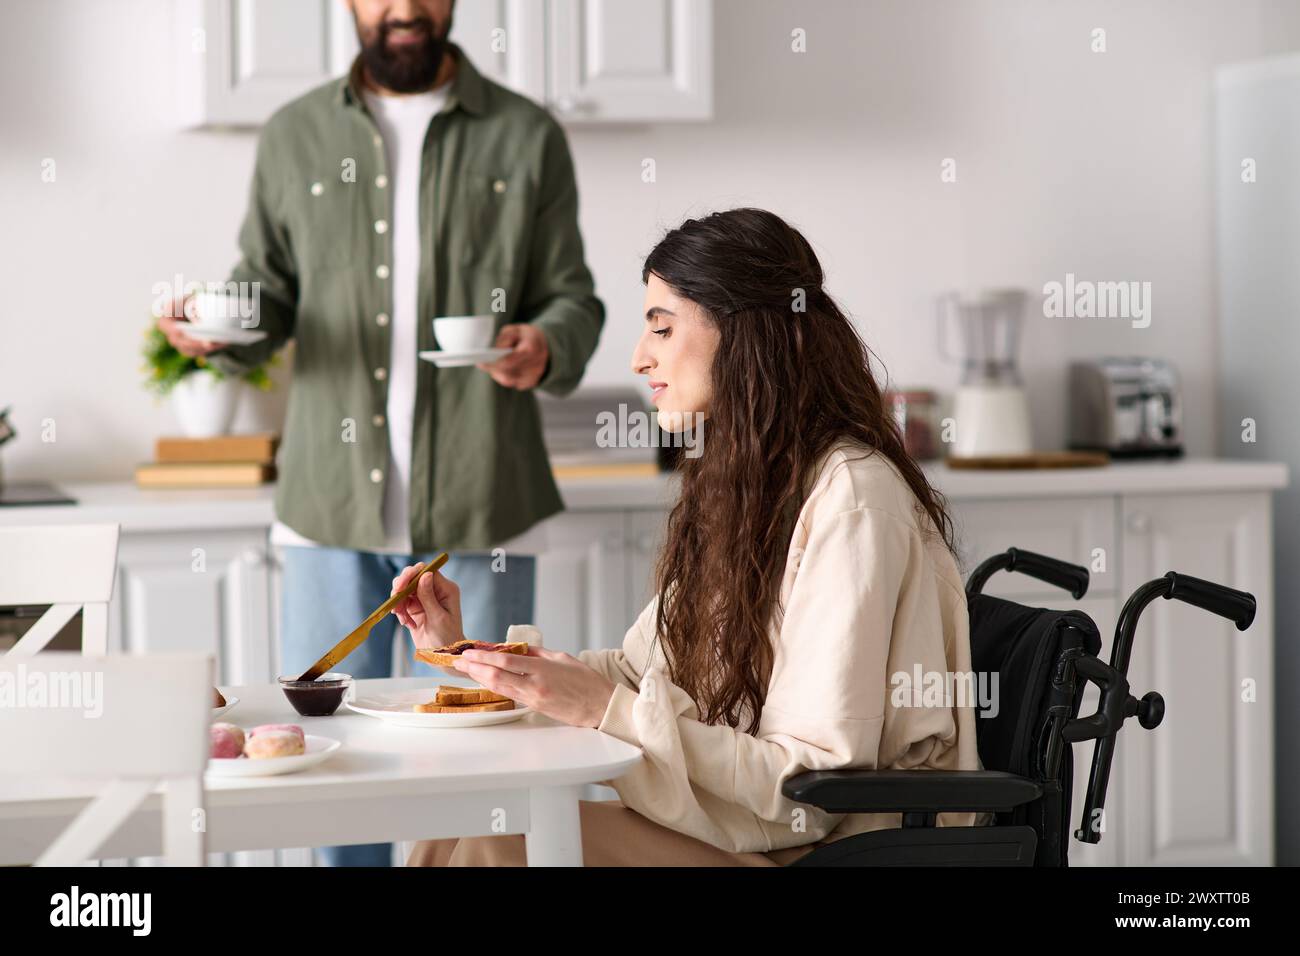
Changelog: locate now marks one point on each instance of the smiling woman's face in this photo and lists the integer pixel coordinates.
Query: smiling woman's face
(676, 354)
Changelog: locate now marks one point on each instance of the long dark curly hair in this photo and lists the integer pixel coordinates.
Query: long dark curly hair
(791, 378)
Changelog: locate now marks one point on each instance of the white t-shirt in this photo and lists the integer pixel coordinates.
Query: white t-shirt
(403, 122)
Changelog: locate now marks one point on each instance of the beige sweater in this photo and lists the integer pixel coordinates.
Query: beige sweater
(866, 596)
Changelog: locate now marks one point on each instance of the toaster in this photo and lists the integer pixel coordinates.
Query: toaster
(1129, 407)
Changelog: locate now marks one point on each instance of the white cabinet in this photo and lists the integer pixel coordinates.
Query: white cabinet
(596, 576)
(645, 535)
(590, 61)
(1080, 530)
(581, 587)
(505, 40)
(238, 61)
(1199, 788)
(630, 60)
(203, 590)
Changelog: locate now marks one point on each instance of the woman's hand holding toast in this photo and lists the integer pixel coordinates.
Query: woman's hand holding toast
(550, 682)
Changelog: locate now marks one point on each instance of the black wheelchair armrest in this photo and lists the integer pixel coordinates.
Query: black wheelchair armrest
(910, 791)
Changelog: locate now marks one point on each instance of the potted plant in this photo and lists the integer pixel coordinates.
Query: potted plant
(203, 397)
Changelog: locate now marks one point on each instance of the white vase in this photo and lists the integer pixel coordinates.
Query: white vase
(204, 405)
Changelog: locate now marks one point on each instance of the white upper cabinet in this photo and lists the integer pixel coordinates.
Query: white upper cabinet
(506, 41)
(630, 60)
(589, 61)
(238, 61)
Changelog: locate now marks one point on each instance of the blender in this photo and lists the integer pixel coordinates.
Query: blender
(990, 408)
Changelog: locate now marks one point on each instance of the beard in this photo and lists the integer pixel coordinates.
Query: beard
(408, 68)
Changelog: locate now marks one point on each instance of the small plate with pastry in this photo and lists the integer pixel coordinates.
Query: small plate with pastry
(266, 750)
(446, 706)
(221, 703)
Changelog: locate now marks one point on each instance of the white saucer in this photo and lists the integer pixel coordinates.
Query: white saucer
(230, 702)
(318, 749)
(448, 359)
(395, 709)
(223, 334)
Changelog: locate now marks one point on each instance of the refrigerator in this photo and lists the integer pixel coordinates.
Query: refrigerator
(1257, 211)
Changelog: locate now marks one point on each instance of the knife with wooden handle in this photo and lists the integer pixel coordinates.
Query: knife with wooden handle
(354, 640)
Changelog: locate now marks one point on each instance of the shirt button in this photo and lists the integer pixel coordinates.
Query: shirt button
(499, 186)
(381, 374)
(382, 318)
(381, 226)
(378, 420)
(382, 272)
(317, 189)
(376, 475)
(381, 181)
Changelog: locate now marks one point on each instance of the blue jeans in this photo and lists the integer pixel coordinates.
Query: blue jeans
(326, 592)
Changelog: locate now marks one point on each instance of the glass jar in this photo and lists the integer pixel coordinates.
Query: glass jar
(917, 413)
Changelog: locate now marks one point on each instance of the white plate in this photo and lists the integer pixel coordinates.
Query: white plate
(318, 749)
(230, 702)
(445, 359)
(396, 709)
(224, 335)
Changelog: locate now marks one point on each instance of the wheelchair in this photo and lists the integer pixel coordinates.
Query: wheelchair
(1044, 660)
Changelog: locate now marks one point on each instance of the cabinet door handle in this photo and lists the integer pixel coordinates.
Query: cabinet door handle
(569, 106)
(1139, 522)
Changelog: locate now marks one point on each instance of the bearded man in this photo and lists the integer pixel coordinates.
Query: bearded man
(411, 189)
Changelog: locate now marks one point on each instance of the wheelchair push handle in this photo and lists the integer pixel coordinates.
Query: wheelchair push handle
(1116, 704)
(1061, 574)
(1067, 577)
(1236, 606)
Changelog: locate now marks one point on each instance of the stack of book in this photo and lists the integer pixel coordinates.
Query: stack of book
(227, 461)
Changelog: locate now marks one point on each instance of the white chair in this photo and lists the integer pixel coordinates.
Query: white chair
(69, 567)
(130, 722)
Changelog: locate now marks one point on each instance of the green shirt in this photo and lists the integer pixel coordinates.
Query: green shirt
(498, 234)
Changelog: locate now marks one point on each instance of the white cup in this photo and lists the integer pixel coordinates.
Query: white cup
(464, 333)
(217, 310)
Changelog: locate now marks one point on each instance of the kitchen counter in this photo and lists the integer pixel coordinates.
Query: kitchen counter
(140, 509)
(156, 510)
(1128, 477)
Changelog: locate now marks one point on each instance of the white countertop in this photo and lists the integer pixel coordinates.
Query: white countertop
(157, 510)
(1131, 477)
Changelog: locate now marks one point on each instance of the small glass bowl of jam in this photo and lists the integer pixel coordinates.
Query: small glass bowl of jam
(319, 697)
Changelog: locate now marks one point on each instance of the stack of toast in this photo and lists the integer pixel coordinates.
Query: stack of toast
(463, 700)
(450, 699)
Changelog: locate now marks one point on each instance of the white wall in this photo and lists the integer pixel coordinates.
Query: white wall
(1068, 161)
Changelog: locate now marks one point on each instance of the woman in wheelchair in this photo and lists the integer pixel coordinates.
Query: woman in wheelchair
(807, 562)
